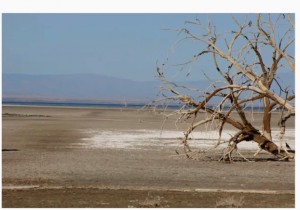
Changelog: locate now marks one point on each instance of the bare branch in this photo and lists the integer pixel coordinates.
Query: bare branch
(241, 84)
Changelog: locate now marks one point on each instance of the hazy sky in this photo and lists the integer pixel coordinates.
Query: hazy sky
(119, 45)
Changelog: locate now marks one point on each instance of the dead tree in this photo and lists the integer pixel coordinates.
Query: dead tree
(248, 60)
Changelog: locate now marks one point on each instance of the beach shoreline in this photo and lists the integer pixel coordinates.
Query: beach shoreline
(42, 139)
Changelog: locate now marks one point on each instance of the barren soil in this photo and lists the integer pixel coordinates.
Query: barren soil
(43, 165)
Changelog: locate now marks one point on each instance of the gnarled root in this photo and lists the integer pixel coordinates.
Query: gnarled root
(232, 146)
(227, 153)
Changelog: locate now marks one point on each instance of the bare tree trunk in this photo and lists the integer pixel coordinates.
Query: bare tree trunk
(267, 120)
(270, 146)
(249, 64)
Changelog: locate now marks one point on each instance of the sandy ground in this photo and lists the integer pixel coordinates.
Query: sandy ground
(96, 157)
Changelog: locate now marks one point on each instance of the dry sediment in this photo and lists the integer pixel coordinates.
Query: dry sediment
(41, 154)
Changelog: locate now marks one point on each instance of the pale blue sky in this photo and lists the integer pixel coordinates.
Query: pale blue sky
(121, 45)
(118, 45)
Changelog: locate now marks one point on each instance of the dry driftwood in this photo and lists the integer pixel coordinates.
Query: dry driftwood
(247, 78)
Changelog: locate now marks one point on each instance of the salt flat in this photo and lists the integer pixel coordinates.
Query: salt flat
(166, 139)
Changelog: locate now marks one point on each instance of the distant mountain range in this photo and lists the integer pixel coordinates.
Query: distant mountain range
(85, 87)
(75, 87)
